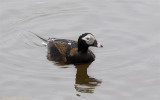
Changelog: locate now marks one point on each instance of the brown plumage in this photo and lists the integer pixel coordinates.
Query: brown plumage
(66, 51)
(70, 51)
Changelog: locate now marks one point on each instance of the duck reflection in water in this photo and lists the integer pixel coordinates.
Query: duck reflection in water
(83, 82)
(73, 52)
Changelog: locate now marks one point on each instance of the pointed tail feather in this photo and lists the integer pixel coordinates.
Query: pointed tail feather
(45, 40)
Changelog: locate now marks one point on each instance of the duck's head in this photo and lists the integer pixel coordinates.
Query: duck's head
(89, 40)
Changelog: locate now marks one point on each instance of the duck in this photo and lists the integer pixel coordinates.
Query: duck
(71, 51)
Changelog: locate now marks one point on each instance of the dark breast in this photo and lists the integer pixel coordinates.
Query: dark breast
(77, 57)
(66, 51)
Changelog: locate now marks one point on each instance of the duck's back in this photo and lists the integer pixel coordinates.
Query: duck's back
(63, 50)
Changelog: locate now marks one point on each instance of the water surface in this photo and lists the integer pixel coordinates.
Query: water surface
(127, 68)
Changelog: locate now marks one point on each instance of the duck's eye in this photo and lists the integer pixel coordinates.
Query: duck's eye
(87, 38)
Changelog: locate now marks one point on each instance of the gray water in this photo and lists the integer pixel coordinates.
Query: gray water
(127, 68)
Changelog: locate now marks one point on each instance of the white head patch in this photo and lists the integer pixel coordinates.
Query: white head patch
(89, 39)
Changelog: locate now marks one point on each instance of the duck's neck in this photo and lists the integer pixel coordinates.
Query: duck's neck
(82, 46)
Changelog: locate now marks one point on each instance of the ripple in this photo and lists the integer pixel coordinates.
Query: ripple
(127, 66)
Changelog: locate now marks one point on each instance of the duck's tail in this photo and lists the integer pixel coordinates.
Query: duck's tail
(45, 41)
